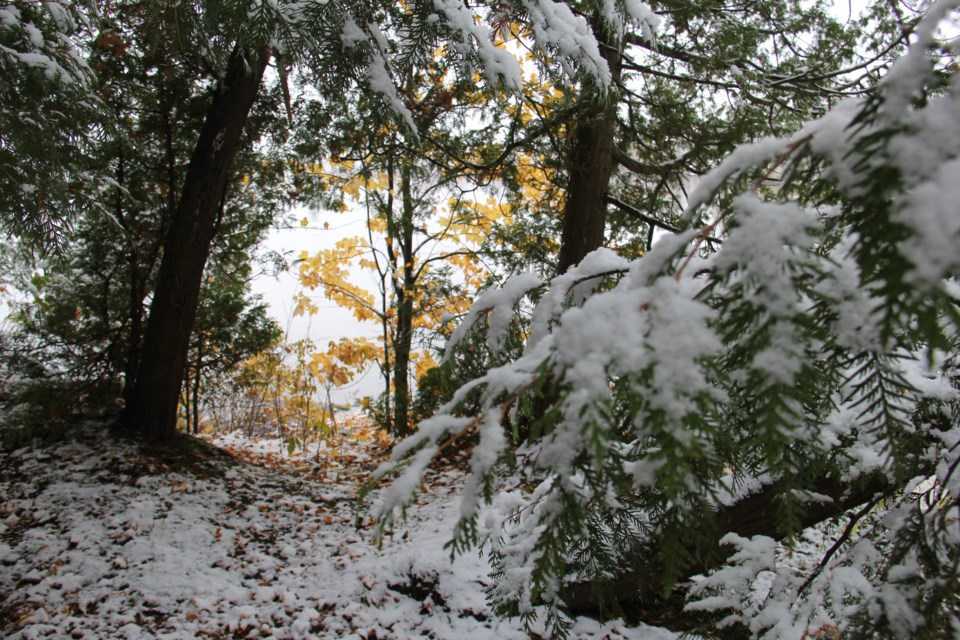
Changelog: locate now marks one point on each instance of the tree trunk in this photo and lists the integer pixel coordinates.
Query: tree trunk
(403, 337)
(135, 316)
(638, 592)
(591, 163)
(198, 367)
(401, 367)
(590, 168)
(385, 368)
(153, 404)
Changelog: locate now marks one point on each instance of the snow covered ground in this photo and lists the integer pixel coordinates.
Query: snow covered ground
(102, 539)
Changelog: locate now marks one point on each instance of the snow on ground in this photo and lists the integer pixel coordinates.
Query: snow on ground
(100, 539)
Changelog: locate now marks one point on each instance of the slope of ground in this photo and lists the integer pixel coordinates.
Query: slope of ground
(100, 538)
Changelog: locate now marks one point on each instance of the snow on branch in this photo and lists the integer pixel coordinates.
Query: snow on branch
(817, 345)
(40, 40)
(382, 83)
(498, 304)
(599, 263)
(642, 14)
(555, 26)
(746, 156)
(476, 40)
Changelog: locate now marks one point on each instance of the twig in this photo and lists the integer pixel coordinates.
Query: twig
(623, 206)
(504, 408)
(847, 532)
(783, 157)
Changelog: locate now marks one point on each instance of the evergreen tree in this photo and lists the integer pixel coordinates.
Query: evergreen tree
(328, 36)
(48, 119)
(86, 319)
(725, 398)
(619, 152)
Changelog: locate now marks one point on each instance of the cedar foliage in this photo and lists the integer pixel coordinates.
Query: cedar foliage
(48, 120)
(807, 363)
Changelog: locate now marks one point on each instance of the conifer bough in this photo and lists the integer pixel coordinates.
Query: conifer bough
(714, 399)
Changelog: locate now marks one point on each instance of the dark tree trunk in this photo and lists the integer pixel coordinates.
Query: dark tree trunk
(385, 368)
(135, 316)
(639, 591)
(387, 282)
(401, 370)
(152, 409)
(142, 264)
(403, 338)
(591, 164)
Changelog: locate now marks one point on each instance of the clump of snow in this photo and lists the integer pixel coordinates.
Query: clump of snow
(497, 64)
(644, 16)
(743, 158)
(352, 33)
(930, 211)
(497, 304)
(908, 75)
(555, 26)
(381, 82)
(595, 265)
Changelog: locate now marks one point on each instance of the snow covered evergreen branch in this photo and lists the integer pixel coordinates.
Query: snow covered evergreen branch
(815, 348)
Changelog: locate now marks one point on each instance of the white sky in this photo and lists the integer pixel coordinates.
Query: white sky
(332, 322)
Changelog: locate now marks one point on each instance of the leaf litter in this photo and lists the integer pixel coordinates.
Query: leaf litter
(102, 538)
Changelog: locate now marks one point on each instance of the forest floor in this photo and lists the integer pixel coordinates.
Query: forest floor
(102, 538)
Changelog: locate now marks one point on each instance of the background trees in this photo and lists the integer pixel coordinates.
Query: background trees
(87, 316)
(713, 76)
(420, 255)
(445, 103)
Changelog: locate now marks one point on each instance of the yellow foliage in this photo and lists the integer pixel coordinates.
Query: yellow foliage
(341, 163)
(378, 225)
(422, 362)
(329, 270)
(352, 186)
(343, 360)
(283, 390)
(536, 183)
(304, 306)
(473, 220)
(358, 182)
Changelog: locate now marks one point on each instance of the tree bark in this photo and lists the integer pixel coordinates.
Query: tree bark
(152, 409)
(753, 515)
(591, 163)
(198, 367)
(403, 338)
